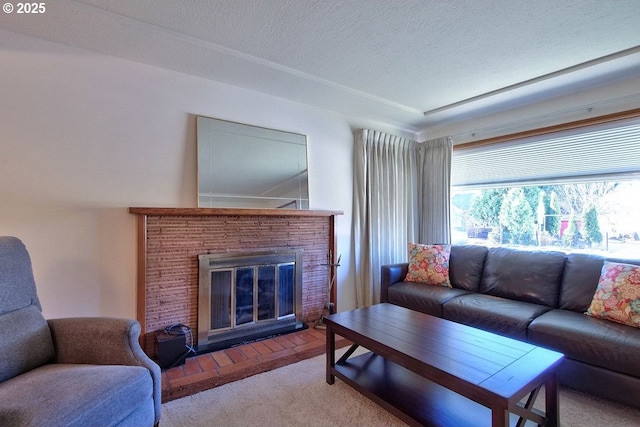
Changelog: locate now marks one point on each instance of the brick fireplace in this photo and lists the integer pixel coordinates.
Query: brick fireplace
(171, 239)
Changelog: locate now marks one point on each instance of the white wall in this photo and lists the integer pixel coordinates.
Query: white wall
(85, 136)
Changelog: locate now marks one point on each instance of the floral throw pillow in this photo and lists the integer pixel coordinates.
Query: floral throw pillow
(429, 264)
(617, 296)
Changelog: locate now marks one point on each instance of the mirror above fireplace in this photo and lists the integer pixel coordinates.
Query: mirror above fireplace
(243, 166)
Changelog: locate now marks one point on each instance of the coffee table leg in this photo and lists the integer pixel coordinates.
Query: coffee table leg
(331, 354)
(552, 404)
(499, 417)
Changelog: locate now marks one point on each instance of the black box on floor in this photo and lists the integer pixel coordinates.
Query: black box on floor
(171, 349)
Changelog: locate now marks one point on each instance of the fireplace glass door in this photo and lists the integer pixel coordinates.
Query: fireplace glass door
(247, 295)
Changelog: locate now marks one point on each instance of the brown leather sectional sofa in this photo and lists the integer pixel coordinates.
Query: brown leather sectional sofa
(535, 296)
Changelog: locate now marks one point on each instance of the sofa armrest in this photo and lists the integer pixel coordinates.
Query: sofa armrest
(390, 274)
(103, 341)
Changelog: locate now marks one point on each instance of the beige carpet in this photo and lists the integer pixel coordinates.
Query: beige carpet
(297, 395)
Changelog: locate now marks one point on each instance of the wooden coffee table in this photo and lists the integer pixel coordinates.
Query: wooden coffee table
(434, 372)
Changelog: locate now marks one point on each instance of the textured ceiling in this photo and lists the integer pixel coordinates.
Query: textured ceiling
(388, 60)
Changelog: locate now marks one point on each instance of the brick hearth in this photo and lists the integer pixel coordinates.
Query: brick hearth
(210, 370)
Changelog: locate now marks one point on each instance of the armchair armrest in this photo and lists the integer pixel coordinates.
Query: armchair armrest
(390, 274)
(103, 341)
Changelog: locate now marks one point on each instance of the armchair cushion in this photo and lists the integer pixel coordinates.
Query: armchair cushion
(29, 340)
(108, 393)
(17, 286)
(25, 330)
(113, 341)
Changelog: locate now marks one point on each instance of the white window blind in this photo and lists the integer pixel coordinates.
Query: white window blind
(608, 151)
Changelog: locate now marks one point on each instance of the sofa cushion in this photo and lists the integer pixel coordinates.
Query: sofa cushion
(598, 342)
(495, 314)
(28, 343)
(617, 297)
(530, 276)
(465, 266)
(429, 264)
(579, 281)
(426, 299)
(389, 275)
(75, 395)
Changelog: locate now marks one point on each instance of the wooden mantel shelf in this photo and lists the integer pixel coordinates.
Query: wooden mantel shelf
(230, 212)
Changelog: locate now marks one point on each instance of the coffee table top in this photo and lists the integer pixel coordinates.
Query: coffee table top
(475, 363)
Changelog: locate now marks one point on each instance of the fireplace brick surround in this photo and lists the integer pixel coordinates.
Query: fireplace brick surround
(170, 240)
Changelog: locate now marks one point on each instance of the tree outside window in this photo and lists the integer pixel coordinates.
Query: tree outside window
(599, 217)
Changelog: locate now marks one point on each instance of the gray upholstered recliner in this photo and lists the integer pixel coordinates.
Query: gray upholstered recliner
(68, 372)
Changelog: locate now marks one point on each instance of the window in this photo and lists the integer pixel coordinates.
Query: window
(575, 189)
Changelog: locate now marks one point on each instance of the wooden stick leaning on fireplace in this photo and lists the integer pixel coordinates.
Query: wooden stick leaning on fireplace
(329, 307)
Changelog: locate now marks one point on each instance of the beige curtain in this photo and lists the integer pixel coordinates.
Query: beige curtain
(385, 207)
(434, 181)
(400, 195)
